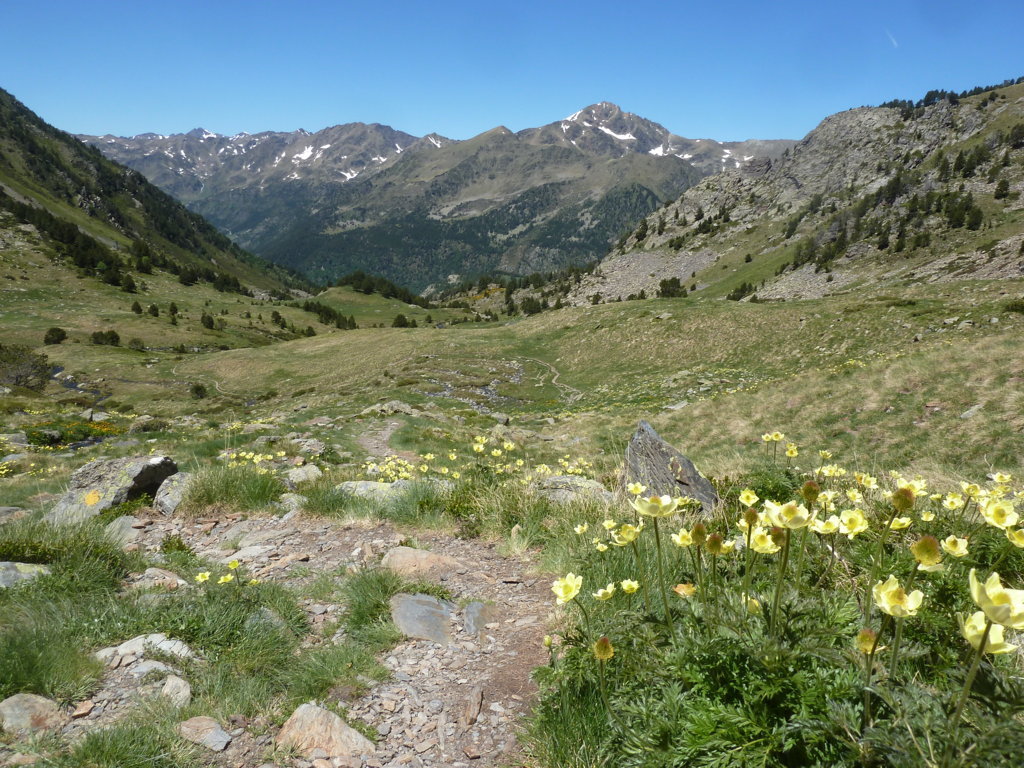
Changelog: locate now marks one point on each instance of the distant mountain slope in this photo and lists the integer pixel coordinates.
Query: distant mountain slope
(416, 210)
(897, 193)
(107, 219)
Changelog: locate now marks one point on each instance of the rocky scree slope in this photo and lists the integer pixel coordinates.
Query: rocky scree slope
(870, 194)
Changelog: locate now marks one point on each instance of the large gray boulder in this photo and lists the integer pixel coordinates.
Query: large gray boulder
(371, 490)
(171, 492)
(664, 470)
(105, 483)
(25, 713)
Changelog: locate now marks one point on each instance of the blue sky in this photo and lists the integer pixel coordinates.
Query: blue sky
(727, 71)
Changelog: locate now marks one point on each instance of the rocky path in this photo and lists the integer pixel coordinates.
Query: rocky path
(457, 703)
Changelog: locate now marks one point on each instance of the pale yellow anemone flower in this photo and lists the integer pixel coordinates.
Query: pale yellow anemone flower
(852, 522)
(683, 538)
(999, 513)
(826, 527)
(954, 545)
(1016, 537)
(1001, 605)
(790, 515)
(655, 506)
(748, 498)
(605, 593)
(762, 543)
(973, 629)
(892, 599)
(629, 586)
(566, 588)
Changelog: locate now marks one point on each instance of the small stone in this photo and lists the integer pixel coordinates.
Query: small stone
(471, 751)
(422, 616)
(82, 709)
(471, 706)
(177, 690)
(206, 732)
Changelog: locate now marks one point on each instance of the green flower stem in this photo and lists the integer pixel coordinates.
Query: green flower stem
(783, 562)
(800, 557)
(865, 718)
(586, 616)
(965, 693)
(747, 570)
(661, 580)
(896, 647)
(604, 698)
(643, 576)
(876, 566)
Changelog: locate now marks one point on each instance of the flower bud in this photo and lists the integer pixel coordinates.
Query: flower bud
(810, 491)
(903, 499)
(778, 536)
(603, 649)
(926, 551)
(714, 543)
(865, 640)
(750, 517)
(699, 534)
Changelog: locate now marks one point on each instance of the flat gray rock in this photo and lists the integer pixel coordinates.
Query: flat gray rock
(14, 438)
(664, 470)
(410, 561)
(122, 530)
(105, 483)
(423, 617)
(17, 573)
(368, 489)
(206, 732)
(171, 492)
(304, 474)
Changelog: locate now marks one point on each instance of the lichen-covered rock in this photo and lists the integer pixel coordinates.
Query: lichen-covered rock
(567, 489)
(419, 563)
(105, 483)
(16, 573)
(171, 492)
(25, 713)
(368, 489)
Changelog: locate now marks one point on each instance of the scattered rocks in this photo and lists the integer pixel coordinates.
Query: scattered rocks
(312, 728)
(105, 483)
(310, 445)
(471, 706)
(138, 646)
(158, 578)
(206, 732)
(664, 470)
(171, 492)
(390, 408)
(25, 713)
(16, 573)
(477, 615)
(422, 616)
(417, 563)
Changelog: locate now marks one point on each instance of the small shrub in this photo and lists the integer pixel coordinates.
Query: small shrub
(1014, 305)
(54, 335)
(21, 367)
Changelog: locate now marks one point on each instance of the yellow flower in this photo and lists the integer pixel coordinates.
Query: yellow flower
(428, 457)
(226, 578)
(791, 450)
(927, 516)
(1001, 605)
(581, 529)
(254, 582)
(899, 523)
(952, 501)
(791, 515)
(567, 588)
(508, 446)
(778, 437)
(480, 440)
(971, 490)
(603, 649)
(655, 506)
(855, 496)
(204, 576)
(973, 628)
(999, 513)
(233, 564)
(605, 593)
(1001, 478)
(423, 467)
(1016, 537)
(636, 489)
(626, 534)
(954, 546)
(865, 641)
(478, 448)
(685, 590)
(547, 641)
(761, 542)
(683, 538)
(826, 527)
(629, 586)
(926, 551)
(753, 605)
(601, 547)
(748, 498)
(891, 598)
(767, 437)
(825, 455)
(609, 524)
(452, 456)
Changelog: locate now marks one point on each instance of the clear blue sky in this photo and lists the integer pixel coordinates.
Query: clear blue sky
(719, 70)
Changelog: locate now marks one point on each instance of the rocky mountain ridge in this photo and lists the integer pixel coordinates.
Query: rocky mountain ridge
(416, 210)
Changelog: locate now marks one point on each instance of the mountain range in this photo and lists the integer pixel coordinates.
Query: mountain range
(421, 209)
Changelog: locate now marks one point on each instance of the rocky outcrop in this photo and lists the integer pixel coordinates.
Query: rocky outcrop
(664, 470)
(171, 492)
(105, 483)
(16, 573)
